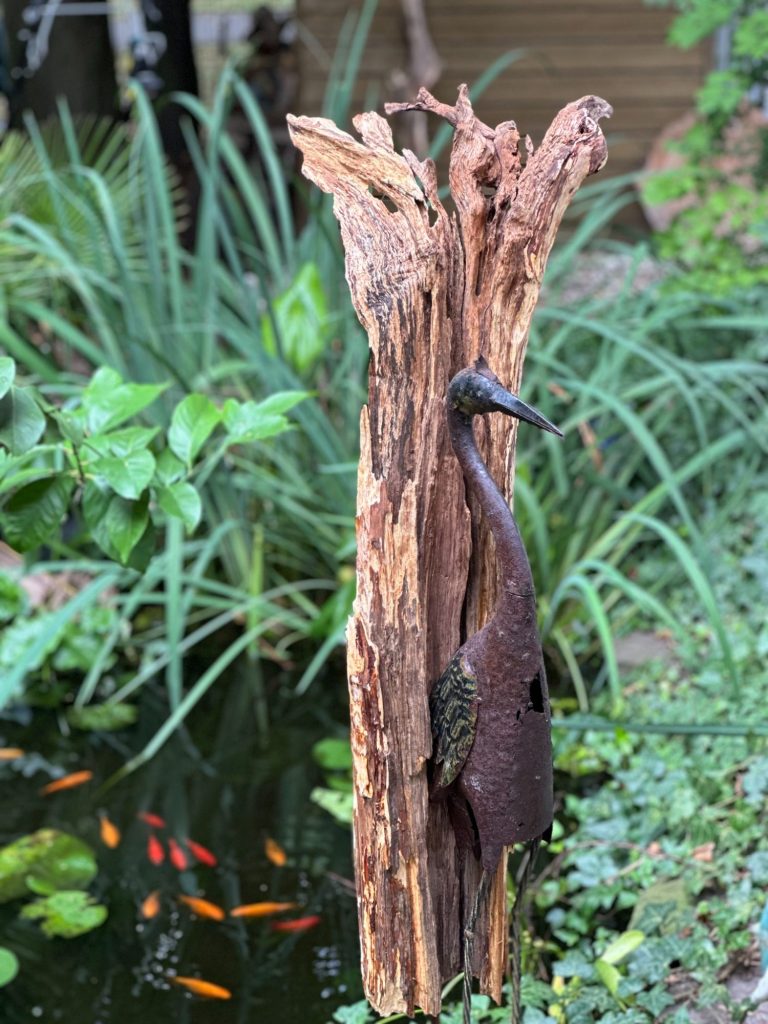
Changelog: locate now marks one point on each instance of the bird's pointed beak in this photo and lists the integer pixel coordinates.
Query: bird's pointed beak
(513, 406)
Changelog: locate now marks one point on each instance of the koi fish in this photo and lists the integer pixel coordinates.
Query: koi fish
(150, 906)
(109, 832)
(67, 782)
(177, 855)
(275, 853)
(153, 820)
(10, 753)
(199, 987)
(201, 853)
(299, 924)
(260, 909)
(203, 908)
(155, 851)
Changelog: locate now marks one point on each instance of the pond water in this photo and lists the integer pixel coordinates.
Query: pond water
(226, 787)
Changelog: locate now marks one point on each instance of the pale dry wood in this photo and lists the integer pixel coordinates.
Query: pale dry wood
(433, 291)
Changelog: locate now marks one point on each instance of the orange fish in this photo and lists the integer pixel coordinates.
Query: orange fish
(153, 820)
(109, 832)
(10, 753)
(201, 853)
(299, 924)
(67, 782)
(275, 853)
(177, 855)
(151, 906)
(203, 908)
(155, 851)
(260, 909)
(202, 988)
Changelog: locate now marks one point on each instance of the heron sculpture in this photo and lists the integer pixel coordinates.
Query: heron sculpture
(492, 756)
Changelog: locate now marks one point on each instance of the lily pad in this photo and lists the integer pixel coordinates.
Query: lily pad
(43, 862)
(9, 966)
(66, 914)
(103, 717)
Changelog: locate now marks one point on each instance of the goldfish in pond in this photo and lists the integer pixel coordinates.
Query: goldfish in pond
(260, 909)
(177, 856)
(201, 853)
(203, 908)
(67, 782)
(150, 906)
(109, 832)
(275, 853)
(155, 851)
(202, 988)
(299, 924)
(153, 820)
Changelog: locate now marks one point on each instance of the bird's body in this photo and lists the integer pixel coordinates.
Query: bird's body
(489, 709)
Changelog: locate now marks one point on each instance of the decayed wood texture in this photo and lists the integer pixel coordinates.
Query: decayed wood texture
(433, 290)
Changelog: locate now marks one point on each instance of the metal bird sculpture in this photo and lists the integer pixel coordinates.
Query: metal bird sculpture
(489, 709)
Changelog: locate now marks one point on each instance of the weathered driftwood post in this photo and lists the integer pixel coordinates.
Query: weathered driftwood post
(433, 290)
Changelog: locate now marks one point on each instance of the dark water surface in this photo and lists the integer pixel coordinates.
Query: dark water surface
(224, 787)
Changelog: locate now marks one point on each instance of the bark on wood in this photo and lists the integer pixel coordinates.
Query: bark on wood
(433, 290)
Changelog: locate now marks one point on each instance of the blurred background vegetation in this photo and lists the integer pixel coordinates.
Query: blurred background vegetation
(181, 376)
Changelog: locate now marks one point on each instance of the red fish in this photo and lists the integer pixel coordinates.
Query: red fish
(155, 850)
(201, 853)
(177, 855)
(153, 820)
(299, 924)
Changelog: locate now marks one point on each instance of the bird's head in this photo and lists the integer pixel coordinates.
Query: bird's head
(477, 390)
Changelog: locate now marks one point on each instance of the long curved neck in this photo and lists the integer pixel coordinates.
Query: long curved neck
(514, 569)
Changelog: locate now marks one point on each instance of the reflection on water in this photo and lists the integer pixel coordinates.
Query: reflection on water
(220, 786)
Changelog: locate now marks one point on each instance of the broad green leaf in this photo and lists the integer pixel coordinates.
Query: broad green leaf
(246, 421)
(169, 469)
(103, 717)
(66, 914)
(7, 374)
(333, 754)
(96, 501)
(336, 803)
(9, 966)
(193, 421)
(45, 855)
(108, 401)
(182, 501)
(129, 474)
(282, 401)
(621, 947)
(142, 553)
(608, 974)
(22, 422)
(300, 316)
(34, 512)
(125, 523)
(130, 439)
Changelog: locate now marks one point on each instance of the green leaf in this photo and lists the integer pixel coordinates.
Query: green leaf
(246, 421)
(7, 374)
(103, 717)
(193, 421)
(333, 754)
(282, 401)
(46, 857)
(66, 914)
(96, 501)
(128, 474)
(608, 974)
(129, 439)
(108, 401)
(621, 947)
(22, 422)
(125, 523)
(300, 315)
(9, 966)
(339, 805)
(13, 598)
(182, 501)
(34, 512)
(169, 469)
